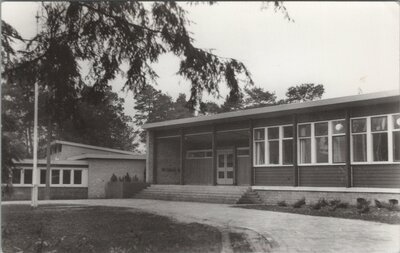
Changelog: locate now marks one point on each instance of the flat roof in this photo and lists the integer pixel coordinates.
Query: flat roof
(93, 147)
(53, 162)
(339, 102)
(102, 156)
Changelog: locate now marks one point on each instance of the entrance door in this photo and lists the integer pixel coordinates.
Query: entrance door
(225, 167)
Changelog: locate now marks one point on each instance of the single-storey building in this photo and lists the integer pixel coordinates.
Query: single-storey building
(78, 171)
(341, 143)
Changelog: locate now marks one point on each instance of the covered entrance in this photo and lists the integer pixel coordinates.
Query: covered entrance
(225, 167)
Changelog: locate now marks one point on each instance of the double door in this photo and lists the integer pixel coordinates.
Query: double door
(225, 165)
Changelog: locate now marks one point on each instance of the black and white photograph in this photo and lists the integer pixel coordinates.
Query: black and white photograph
(196, 127)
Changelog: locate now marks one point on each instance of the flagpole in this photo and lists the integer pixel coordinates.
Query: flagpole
(35, 140)
(35, 145)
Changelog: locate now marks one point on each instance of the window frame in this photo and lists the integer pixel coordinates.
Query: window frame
(205, 151)
(266, 146)
(84, 176)
(314, 145)
(369, 133)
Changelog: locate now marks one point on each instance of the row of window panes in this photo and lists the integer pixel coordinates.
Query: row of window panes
(379, 130)
(274, 142)
(24, 176)
(199, 154)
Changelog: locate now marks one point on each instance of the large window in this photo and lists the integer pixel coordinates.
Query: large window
(58, 177)
(276, 148)
(305, 143)
(376, 139)
(396, 137)
(338, 141)
(322, 142)
(259, 146)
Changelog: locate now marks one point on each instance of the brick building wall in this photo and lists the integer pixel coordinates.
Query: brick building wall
(101, 170)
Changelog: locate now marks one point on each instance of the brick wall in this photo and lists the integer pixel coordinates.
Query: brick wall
(273, 196)
(24, 193)
(101, 170)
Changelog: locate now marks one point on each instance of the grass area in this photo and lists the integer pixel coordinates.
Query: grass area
(239, 243)
(100, 229)
(382, 215)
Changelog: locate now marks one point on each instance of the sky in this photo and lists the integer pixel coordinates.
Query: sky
(349, 47)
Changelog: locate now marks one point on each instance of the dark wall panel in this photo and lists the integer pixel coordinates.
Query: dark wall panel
(243, 171)
(168, 161)
(385, 176)
(198, 171)
(274, 176)
(323, 176)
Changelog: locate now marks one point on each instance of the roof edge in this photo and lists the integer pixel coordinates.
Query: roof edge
(93, 147)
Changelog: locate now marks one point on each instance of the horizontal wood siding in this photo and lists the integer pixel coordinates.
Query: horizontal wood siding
(198, 171)
(386, 176)
(323, 176)
(274, 176)
(168, 161)
(243, 171)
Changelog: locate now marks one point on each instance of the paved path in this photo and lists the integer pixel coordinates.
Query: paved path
(287, 232)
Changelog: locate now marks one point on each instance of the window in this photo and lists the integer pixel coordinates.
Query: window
(55, 177)
(321, 142)
(77, 177)
(287, 145)
(66, 176)
(242, 152)
(379, 138)
(277, 148)
(359, 136)
(27, 176)
(396, 137)
(259, 143)
(16, 176)
(198, 154)
(376, 138)
(273, 145)
(42, 176)
(338, 141)
(305, 143)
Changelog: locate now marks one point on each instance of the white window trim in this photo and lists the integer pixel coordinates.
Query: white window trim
(205, 151)
(389, 131)
(313, 143)
(266, 146)
(84, 178)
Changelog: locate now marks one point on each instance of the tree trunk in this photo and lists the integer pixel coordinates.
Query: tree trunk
(48, 161)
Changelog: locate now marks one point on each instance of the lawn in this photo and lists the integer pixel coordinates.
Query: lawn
(382, 215)
(100, 229)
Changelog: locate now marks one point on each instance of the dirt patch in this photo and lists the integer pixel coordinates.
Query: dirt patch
(382, 215)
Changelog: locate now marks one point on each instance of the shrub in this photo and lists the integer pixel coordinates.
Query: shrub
(334, 202)
(393, 202)
(321, 203)
(299, 203)
(342, 205)
(127, 178)
(113, 178)
(363, 205)
(282, 203)
(378, 204)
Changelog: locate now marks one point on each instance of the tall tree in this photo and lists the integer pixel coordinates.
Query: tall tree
(258, 97)
(181, 108)
(99, 119)
(304, 92)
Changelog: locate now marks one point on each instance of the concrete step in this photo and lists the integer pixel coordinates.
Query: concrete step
(196, 193)
(250, 197)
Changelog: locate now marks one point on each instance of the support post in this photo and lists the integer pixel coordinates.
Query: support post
(182, 161)
(295, 162)
(155, 159)
(35, 177)
(348, 161)
(214, 151)
(251, 145)
(235, 167)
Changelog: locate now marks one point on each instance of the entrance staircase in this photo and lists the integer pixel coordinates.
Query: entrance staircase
(194, 193)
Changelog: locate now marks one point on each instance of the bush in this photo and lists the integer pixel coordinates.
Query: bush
(321, 203)
(363, 205)
(334, 202)
(282, 203)
(379, 204)
(127, 178)
(342, 205)
(113, 178)
(299, 203)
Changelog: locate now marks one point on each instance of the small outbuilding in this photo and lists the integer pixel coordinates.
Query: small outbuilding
(78, 171)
